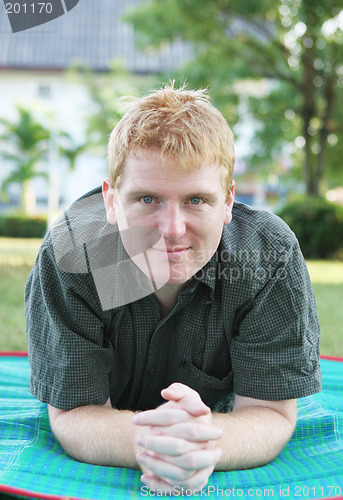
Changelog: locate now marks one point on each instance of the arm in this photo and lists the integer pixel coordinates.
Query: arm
(100, 435)
(174, 444)
(255, 432)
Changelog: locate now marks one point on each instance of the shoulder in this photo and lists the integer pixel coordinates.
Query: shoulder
(254, 229)
(76, 242)
(79, 232)
(255, 249)
(72, 248)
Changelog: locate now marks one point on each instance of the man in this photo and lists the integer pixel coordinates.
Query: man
(177, 335)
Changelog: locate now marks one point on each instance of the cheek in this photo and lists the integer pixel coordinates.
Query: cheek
(132, 216)
(209, 233)
(210, 222)
(138, 214)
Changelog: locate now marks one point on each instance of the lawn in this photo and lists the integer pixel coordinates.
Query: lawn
(327, 281)
(16, 260)
(17, 257)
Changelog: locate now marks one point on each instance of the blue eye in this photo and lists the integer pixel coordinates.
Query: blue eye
(147, 200)
(195, 201)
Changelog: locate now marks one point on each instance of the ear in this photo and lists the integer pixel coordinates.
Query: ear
(108, 195)
(229, 205)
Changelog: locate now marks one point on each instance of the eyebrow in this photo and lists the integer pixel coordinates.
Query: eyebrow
(211, 197)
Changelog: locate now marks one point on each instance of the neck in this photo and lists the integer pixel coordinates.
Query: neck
(167, 296)
(168, 292)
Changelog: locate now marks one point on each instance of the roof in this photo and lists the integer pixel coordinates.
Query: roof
(91, 33)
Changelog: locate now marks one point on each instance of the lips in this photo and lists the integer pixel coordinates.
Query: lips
(178, 249)
(171, 250)
(173, 253)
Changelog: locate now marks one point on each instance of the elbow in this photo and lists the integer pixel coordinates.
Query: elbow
(61, 426)
(56, 417)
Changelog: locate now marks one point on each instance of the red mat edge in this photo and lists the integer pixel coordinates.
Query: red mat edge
(14, 353)
(12, 490)
(43, 496)
(332, 358)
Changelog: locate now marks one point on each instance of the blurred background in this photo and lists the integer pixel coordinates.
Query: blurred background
(273, 67)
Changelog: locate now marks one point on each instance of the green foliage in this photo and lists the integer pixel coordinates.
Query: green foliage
(26, 143)
(23, 226)
(318, 225)
(273, 140)
(26, 132)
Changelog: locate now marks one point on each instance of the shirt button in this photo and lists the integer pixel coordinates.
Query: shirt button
(152, 371)
(183, 363)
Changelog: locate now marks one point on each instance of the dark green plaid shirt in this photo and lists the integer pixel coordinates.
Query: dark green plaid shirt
(246, 324)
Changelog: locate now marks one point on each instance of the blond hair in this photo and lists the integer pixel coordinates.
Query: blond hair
(182, 123)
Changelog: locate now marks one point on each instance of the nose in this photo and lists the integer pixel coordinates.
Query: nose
(172, 223)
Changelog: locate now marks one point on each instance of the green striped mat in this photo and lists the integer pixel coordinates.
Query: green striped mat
(32, 463)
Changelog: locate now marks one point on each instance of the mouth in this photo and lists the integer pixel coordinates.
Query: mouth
(172, 253)
(171, 250)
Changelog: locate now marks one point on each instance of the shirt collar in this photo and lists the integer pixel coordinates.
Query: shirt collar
(208, 273)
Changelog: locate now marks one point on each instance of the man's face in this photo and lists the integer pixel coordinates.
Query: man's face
(178, 213)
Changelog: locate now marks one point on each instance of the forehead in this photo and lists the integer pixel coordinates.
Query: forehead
(147, 168)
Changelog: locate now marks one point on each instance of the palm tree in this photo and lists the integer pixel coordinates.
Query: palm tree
(25, 146)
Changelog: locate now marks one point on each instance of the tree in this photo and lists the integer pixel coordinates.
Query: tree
(26, 145)
(296, 45)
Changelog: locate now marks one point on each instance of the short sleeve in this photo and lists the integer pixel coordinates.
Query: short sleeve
(70, 357)
(275, 355)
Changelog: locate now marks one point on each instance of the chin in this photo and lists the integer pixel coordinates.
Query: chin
(180, 274)
(162, 271)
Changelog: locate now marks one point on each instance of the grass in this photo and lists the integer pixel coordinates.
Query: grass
(18, 252)
(17, 257)
(327, 281)
(16, 260)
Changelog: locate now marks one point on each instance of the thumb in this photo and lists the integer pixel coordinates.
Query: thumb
(185, 398)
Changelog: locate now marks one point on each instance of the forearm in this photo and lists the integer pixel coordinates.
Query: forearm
(251, 437)
(99, 435)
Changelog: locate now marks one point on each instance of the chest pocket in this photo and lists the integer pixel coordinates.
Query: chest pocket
(211, 389)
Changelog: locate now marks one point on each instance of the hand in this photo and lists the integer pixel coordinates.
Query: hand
(177, 445)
